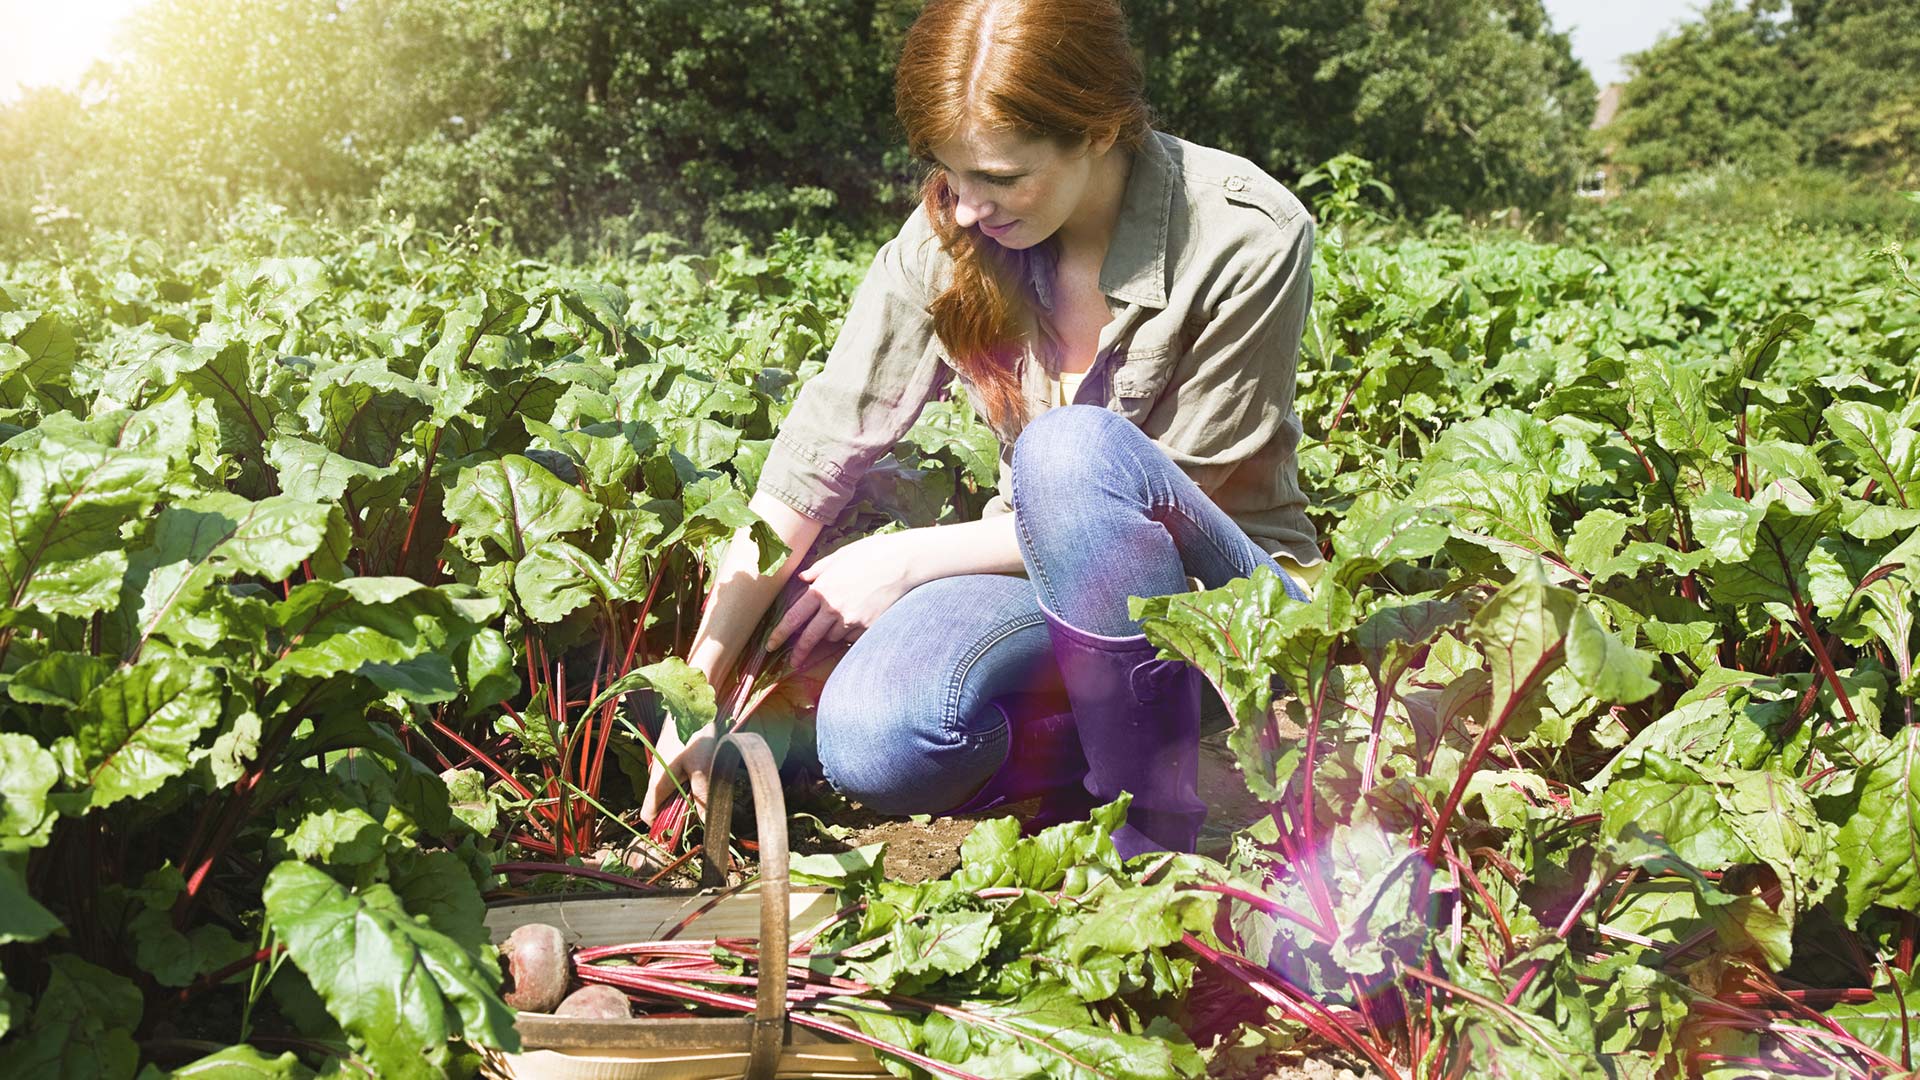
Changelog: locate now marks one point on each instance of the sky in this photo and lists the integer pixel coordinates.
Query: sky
(52, 41)
(1606, 30)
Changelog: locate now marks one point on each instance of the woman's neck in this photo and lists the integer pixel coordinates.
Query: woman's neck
(1086, 234)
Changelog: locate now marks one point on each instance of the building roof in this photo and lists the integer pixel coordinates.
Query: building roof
(1609, 105)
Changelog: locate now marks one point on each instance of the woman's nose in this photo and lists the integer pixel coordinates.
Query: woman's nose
(968, 210)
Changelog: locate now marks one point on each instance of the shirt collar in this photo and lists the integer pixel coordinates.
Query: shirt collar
(1135, 268)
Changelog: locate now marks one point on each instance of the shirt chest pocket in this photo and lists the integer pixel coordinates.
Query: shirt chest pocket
(1143, 372)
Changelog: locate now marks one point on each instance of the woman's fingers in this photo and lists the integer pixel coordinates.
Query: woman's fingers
(795, 617)
(650, 798)
(661, 789)
(826, 623)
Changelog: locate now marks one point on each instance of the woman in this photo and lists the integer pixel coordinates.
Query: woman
(1125, 309)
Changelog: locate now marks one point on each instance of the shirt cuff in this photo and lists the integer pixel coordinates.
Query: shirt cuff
(802, 481)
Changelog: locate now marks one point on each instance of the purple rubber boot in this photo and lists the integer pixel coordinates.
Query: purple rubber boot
(1139, 724)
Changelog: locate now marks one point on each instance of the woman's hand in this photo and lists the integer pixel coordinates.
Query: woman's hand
(690, 762)
(847, 591)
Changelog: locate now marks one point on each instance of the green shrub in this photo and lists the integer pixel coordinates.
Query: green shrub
(1742, 196)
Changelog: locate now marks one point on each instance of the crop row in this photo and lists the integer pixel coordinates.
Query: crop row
(344, 569)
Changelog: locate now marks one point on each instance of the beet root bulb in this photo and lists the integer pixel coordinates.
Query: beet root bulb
(538, 967)
(596, 1002)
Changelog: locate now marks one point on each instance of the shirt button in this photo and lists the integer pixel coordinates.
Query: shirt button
(1235, 183)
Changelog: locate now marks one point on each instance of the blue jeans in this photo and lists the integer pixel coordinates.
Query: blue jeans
(906, 721)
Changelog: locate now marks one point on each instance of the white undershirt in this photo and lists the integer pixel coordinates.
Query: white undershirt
(1065, 387)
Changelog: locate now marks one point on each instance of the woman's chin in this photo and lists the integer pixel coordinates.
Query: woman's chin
(1014, 240)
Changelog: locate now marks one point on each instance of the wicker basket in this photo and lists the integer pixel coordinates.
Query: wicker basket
(758, 1047)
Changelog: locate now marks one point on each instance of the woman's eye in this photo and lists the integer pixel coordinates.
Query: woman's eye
(996, 179)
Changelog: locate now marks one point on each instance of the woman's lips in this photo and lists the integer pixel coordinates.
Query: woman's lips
(998, 230)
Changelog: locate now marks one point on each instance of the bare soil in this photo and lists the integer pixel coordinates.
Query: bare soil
(1313, 1068)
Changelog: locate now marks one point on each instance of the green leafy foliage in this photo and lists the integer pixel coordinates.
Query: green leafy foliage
(1618, 702)
(1880, 821)
(136, 729)
(402, 989)
(82, 1026)
(316, 552)
(340, 563)
(1048, 957)
(65, 505)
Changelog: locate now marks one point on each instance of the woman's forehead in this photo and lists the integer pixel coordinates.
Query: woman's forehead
(978, 149)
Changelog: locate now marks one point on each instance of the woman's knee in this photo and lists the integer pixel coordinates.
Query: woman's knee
(904, 723)
(877, 745)
(1066, 445)
(854, 757)
(894, 762)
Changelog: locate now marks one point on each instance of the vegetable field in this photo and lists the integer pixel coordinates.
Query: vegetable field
(347, 576)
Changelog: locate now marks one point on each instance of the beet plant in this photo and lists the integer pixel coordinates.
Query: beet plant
(320, 554)
(1598, 749)
(347, 577)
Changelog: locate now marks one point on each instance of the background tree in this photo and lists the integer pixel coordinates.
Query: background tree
(1720, 88)
(579, 123)
(40, 134)
(1833, 83)
(705, 120)
(1864, 99)
(1461, 104)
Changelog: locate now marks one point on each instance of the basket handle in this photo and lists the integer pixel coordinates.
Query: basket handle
(770, 814)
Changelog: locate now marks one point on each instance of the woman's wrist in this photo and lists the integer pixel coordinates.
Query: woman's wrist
(705, 656)
(987, 546)
(917, 554)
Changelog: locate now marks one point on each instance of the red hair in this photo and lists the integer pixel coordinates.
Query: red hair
(1043, 69)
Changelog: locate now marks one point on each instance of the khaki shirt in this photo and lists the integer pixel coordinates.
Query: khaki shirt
(1208, 277)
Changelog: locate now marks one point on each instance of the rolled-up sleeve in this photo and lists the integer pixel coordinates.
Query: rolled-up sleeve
(1227, 418)
(884, 367)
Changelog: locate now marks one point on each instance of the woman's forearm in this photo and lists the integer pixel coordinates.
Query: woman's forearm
(740, 593)
(987, 546)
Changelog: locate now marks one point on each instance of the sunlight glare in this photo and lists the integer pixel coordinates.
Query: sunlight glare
(53, 44)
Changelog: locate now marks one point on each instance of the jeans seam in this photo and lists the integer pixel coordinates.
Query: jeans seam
(1161, 506)
(950, 712)
(1034, 572)
(1049, 596)
(1226, 556)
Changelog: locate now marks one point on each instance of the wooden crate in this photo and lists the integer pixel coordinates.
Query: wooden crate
(762, 1046)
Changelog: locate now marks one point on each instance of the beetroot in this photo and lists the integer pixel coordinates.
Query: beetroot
(599, 1002)
(538, 968)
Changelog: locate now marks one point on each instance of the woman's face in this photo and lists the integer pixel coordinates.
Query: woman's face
(1018, 190)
